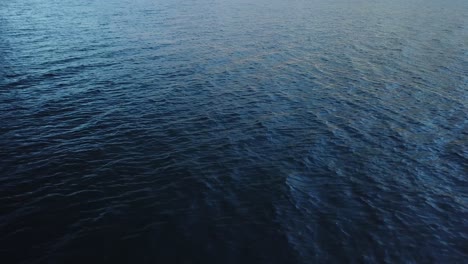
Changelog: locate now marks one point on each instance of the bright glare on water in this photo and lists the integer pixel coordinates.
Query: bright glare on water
(233, 131)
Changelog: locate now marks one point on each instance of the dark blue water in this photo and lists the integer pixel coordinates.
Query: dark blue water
(218, 131)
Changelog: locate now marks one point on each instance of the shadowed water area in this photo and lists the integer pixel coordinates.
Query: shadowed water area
(233, 131)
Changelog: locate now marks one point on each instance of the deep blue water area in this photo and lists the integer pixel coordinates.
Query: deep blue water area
(233, 131)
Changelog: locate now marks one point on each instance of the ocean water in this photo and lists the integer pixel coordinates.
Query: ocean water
(233, 131)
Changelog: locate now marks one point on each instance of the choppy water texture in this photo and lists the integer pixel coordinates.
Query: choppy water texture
(218, 131)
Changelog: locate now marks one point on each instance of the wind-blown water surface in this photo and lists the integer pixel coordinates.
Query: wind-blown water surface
(217, 131)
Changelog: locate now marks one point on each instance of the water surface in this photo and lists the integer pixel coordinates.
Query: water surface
(216, 131)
